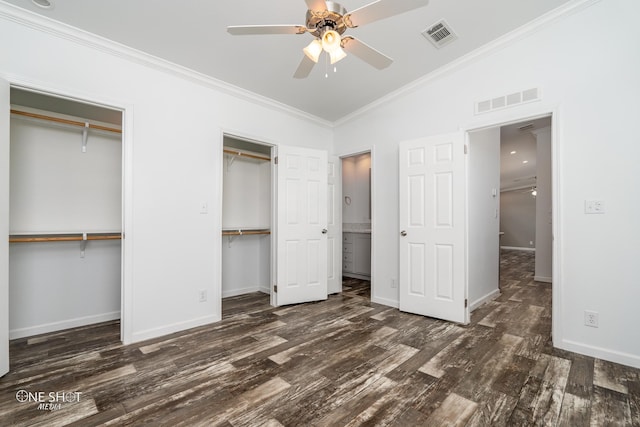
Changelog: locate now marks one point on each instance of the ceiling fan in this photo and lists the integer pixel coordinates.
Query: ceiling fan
(327, 21)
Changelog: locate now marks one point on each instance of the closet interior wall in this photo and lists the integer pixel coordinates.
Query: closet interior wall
(65, 216)
(246, 217)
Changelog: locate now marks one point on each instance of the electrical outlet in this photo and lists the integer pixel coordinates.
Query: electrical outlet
(393, 283)
(591, 318)
(594, 206)
(202, 295)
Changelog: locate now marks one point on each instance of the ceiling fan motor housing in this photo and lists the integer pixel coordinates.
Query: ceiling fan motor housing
(320, 21)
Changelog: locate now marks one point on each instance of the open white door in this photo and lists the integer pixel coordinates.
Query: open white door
(334, 225)
(301, 272)
(4, 226)
(432, 227)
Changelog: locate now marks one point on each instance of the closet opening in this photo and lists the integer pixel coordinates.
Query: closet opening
(248, 250)
(65, 214)
(356, 224)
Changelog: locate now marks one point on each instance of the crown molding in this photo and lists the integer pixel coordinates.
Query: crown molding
(484, 51)
(43, 24)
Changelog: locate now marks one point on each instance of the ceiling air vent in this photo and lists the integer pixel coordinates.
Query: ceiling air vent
(440, 34)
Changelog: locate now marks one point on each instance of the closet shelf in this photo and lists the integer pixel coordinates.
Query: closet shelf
(65, 121)
(245, 232)
(249, 155)
(67, 237)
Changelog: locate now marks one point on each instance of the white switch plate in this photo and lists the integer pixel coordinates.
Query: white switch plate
(204, 207)
(594, 206)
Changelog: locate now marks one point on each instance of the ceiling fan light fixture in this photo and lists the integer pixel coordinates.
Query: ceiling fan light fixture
(331, 41)
(313, 50)
(336, 55)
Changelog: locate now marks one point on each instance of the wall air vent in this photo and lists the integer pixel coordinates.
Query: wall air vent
(505, 101)
(440, 34)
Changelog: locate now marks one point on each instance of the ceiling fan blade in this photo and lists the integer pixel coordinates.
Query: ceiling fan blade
(316, 5)
(381, 9)
(241, 30)
(305, 67)
(366, 52)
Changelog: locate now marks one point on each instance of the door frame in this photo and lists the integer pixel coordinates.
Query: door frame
(535, 111)
(126, 281)
(372, 152)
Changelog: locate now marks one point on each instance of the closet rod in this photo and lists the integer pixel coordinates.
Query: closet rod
(30, 238)
(244, 232)
(245, 154)
(65, 121)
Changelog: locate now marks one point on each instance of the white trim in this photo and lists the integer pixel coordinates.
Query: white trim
(386, 301)
(517, 248)
(488, 297)
(242, 291)
(264, 289)
(356, 276)
(599, 352)
(566, 9)
(174, 327)
(543, 279)
(62, 324)
(85, 38)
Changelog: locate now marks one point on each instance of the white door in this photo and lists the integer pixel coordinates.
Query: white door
(301, 272)
(334, 225)
(4, 226)
(432, 227)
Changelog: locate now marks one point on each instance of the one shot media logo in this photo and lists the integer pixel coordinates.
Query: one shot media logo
(48, 401)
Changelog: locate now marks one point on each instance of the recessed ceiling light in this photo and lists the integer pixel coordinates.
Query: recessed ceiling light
(45, 4)
(525, 161)
(513, 152)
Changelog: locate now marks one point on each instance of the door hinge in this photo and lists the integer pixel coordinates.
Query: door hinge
(275, 160)
(275, 288)
(465, 149)
(466, 303)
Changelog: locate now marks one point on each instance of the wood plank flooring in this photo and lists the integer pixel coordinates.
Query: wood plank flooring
(341, 362)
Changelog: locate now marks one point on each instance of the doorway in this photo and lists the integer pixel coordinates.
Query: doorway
(66, 214)
(510, 202)
(356, 223)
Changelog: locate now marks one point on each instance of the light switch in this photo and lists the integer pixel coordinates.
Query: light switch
(594, 206)
(204, 207)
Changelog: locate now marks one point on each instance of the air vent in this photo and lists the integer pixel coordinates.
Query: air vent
(526, 127)
(440, 34)
(505, 101)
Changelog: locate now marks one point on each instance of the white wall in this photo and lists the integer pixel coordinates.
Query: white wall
(544, 229)
(51, 287)
(173, 128)
(356, 186)
(483, 250)
(589, 79)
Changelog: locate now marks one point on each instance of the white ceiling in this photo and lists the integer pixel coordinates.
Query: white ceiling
(192, 33)
(517, 146)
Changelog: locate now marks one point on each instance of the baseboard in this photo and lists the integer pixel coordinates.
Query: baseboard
(63, 324)
(356, 276)
(175, 327)
(241, 291)
(385, 301)
(542, 279)
(601, 353)
(489, 297)
(517, 248)
(265, 290)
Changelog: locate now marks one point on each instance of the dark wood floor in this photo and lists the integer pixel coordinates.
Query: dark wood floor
(344, 361)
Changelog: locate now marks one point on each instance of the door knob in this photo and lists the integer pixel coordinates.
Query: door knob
(403, 233)
(324, 231)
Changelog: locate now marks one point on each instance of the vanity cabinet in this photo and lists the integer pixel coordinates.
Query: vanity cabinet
(356, 255)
